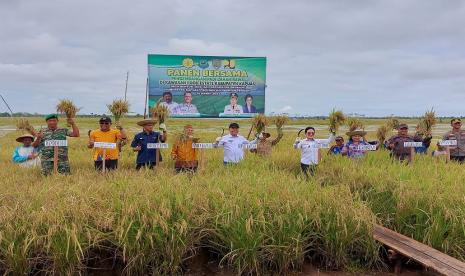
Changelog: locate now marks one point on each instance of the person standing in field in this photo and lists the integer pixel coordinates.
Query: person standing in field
(352, 148)
(168, 101)
(232, 144)
(147, 157)
(184, 155)
(108, 135)
(26, 155)
(337, 148)
(457, 153)
(396, 143)
(311, 151)
(53, 132)
(264, 144)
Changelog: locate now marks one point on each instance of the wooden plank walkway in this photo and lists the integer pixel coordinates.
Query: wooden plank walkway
(429, 257)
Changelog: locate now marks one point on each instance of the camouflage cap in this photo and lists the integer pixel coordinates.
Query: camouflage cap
(51, 116)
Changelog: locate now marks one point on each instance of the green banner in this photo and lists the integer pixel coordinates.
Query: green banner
(208, 86)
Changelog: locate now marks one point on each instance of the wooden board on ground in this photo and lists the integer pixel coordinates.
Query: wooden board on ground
(427, 256)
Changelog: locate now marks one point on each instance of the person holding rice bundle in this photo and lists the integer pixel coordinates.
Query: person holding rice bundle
(147, 157)
(107, 135)
(264, 145)
(396, 143)
(232, 144)
(457, 153)
(311, 150)
(337, 148)
(352, 148)
(184, 155)
(26, 155)
(53, 132)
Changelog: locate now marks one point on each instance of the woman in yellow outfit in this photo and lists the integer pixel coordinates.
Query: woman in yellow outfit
(183, 153)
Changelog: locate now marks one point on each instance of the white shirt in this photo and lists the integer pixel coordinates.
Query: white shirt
(237, 109)
(26, 151)
(185, 109)
(171, 106)
(233, 153)
(310, 149)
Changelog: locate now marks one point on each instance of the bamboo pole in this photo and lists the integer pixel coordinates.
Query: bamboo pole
(55, 159)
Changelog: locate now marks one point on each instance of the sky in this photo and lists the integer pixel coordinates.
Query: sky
(376, 58)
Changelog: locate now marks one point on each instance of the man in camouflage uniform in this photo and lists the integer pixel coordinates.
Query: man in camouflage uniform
(396, 143)
(457, 153)
(53, 132)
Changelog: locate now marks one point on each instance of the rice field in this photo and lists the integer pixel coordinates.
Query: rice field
(259, 217)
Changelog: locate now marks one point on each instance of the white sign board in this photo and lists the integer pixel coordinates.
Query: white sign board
(248, 146)
(413, 144)
(203, 145)
(317, 146)
(448, 143)
(104, 145)
(157, 145)
(56, 143)
(366, 147)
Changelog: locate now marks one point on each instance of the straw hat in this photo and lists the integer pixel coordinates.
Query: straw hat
(357, 131)
(266, 135)
(146, 122)
(20, 138)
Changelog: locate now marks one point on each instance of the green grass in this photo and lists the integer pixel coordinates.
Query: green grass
(257, 217)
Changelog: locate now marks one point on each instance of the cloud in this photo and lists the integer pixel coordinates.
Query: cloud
(369, 57)
(285, 109)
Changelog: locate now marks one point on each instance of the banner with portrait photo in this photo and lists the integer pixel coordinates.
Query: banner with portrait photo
(207, 86)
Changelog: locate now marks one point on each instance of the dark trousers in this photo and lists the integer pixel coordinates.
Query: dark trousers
(459, 159)
(109, 164)
(150, 165)
(306, 169)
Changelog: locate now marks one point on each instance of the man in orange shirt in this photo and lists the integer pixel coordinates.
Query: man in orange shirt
(183, 153)
(107, 135)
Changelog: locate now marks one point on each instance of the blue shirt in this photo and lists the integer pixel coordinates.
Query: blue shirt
(336, 150)
(146, 155)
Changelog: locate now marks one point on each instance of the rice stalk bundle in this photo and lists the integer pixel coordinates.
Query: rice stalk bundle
(336, 119)
(427, 122)
(160, 112)
(68, 108)
(23, 125)
(393, 123)
(382, 132)
(118, 109)
(259, 122)
(354, 123)
(280, 121)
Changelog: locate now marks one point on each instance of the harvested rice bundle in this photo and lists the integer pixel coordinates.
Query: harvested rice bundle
(382, 132)
(118, 108)
(23, 125)
(336, 119)
(68, 108)
(280, 121)
(259, 122)
(427, 122)
(393, 123)
(160, 113)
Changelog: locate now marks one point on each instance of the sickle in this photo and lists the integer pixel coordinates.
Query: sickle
(300, 131)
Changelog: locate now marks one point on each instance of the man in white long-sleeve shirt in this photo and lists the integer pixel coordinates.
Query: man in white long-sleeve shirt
(232, 144)
(311, 150)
